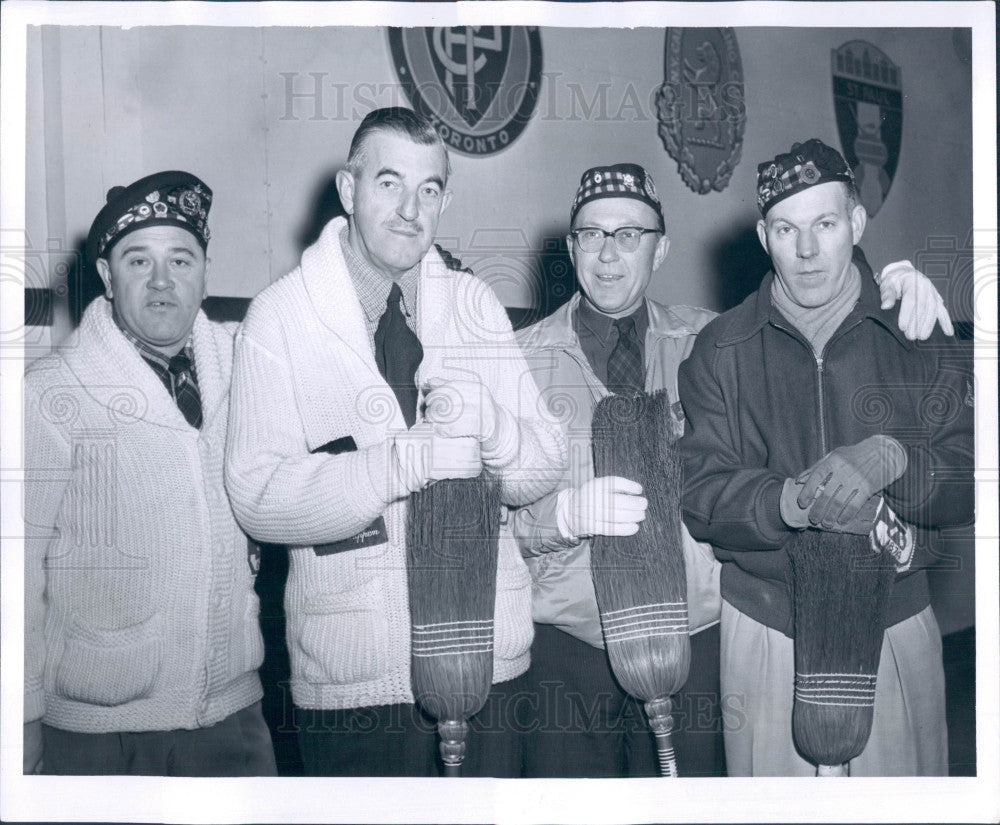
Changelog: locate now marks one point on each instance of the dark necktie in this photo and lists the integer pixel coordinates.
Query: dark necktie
(625, 373)
(398, 354)
(185, 389)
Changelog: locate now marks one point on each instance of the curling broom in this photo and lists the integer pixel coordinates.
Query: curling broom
(451, 559)
(841, 589)
(640, 580)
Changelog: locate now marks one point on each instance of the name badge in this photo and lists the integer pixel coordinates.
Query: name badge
(374, 533)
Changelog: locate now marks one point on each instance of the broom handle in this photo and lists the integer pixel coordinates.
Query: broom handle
(832, 770)
(452, 746)
(661, 723)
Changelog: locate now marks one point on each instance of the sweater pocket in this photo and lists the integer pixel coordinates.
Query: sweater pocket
(110, 667)
(344, 636)
(512, 612)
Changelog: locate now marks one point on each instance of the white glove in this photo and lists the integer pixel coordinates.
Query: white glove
(605, 506)
(460, 408)
(921, 304)
(423, 455)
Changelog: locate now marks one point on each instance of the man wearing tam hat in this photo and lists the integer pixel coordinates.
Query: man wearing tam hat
(612, 338)
(142, 639)
(779, 439)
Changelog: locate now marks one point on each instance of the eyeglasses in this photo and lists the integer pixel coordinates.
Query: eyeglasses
(591, 238)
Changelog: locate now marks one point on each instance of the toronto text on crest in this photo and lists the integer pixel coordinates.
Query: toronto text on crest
(478, 85)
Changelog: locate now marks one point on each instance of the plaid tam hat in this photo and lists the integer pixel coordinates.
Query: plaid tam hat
(806, 165)
(622, 180)
(166, 198)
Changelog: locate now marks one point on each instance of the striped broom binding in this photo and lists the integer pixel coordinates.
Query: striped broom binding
(451, 552)
(640, 581)
(841, 590)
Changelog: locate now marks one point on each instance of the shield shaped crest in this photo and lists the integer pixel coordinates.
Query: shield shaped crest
(478, 85)
(700, 105)
(868, 102)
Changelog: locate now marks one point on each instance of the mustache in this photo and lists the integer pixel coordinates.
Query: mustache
(412, 227)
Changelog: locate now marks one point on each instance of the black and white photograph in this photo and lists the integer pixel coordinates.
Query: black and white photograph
(512, 412)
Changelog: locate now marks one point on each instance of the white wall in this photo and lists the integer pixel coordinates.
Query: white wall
(214, 101)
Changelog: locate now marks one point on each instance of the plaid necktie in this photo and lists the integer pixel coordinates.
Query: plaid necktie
(625, 373)
(398, 353)
(185, 390)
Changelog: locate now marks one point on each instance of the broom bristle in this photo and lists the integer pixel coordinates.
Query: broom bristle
(640, 580)
(841, 591)
(452, 544)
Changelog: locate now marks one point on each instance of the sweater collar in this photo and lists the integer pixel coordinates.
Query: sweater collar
(111, 370)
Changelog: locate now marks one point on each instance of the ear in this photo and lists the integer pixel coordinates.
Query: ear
(208, 267)
(859, 220)
(762, 235)
(445, 199)
(345, 188)
(105, 272)
(571, 250)
(662, 246)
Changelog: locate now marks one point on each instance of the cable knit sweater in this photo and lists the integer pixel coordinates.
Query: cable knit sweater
(304, 376)
(140, 613)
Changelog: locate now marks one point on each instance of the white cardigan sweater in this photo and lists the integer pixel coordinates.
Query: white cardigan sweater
(140, 613)
(305, 375)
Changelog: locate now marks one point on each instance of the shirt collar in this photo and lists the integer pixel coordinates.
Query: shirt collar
(601, 326)
(372, 286)
(153, 355)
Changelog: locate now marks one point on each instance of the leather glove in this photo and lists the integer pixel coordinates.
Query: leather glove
(423, 455)
(798, 517)
(605, 506)
(460, 408)
(921, 305)
(837, 487)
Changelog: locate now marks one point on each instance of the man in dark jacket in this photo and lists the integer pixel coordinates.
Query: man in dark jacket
(804, 405)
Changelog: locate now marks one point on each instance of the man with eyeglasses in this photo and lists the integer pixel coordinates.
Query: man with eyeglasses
(611, 338)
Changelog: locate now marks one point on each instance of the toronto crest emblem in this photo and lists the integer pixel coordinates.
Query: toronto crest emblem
(868, 101)
(700, 105)
(478, 85)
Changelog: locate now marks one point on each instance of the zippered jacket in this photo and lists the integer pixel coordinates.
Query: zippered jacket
(762, 407)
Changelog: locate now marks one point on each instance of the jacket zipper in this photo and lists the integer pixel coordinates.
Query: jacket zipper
(822, 422)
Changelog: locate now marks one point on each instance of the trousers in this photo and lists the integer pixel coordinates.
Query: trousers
(239, 745)
(909, 734)
(585, 725)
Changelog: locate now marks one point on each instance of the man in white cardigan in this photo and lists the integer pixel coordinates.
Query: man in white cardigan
(330, 435)
(142, 639)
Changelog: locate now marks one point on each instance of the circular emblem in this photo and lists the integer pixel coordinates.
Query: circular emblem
(144, 210)
(809, 173)
(188, 202)
(478, 85)
(160, 209)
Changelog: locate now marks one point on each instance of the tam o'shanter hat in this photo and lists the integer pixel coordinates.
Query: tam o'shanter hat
(807, 164)
(161, 199)
(621, 180)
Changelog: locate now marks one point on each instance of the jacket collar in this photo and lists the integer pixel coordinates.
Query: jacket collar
(757, 311)
(112, 372)
(556, 331)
